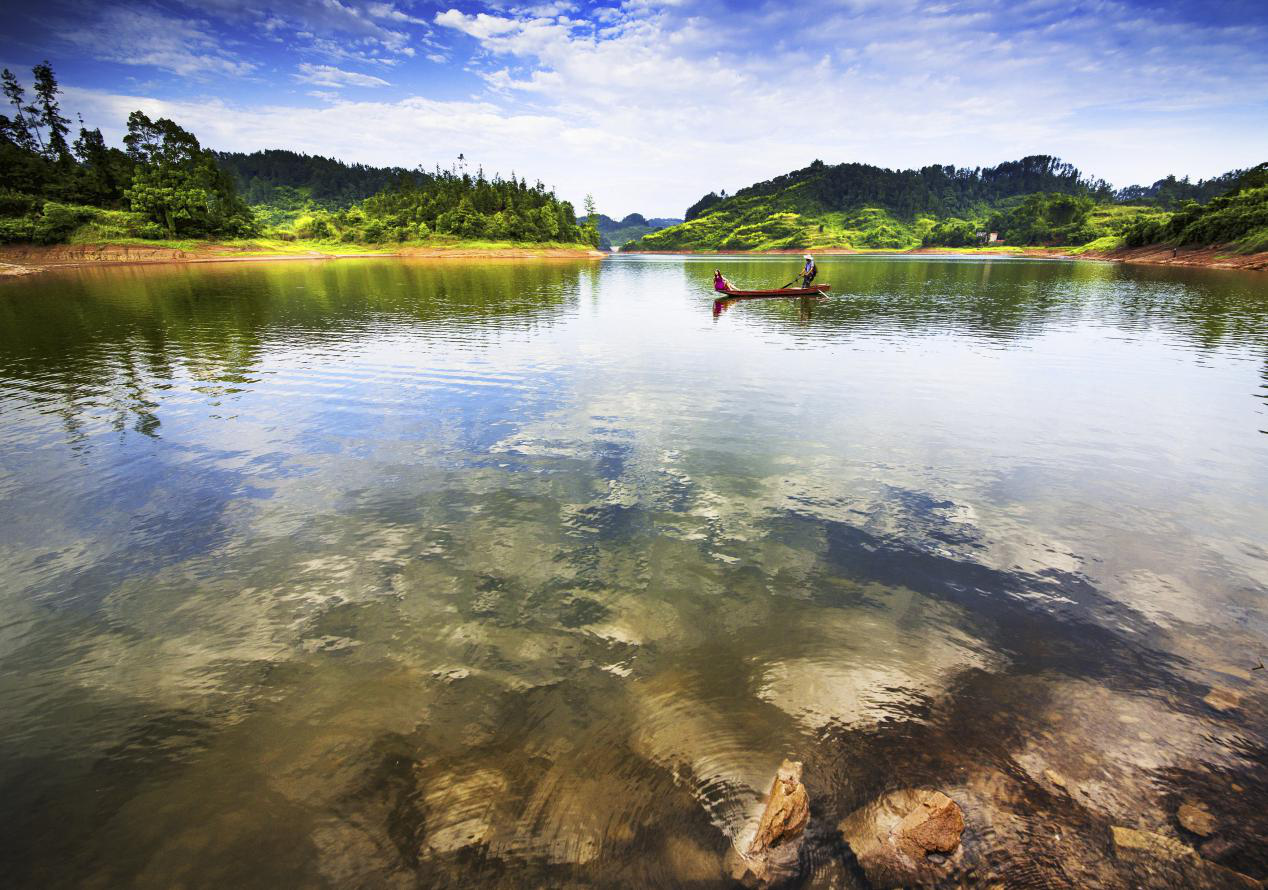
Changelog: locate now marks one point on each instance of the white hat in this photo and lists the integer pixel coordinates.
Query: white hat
(808, 257)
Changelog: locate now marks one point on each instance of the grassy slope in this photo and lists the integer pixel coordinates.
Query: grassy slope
(869, 228)
(115, 228)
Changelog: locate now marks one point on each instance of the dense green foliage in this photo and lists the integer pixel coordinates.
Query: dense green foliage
(1238, 217)
(1035, 201)
(1045, 218)
(178, 184)
(449, 203)
(165, 185)
(1170, 193)
(277, 176)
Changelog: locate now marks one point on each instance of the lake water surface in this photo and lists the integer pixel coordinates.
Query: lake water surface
(529, 573)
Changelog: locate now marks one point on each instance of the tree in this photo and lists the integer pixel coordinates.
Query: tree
(23, 167)
(103, 172)
(17, 129)
(178, 184)
(159, 142)
(49, 114)
(590, 232)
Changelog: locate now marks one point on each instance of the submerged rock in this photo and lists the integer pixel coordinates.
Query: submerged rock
(1218, 848)
(1158, 846)
(1222, 698)
(773, 852)
(1195, 817)
(906, 837)
(1175, 863)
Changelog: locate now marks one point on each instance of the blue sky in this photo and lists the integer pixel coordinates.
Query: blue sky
(649, 105)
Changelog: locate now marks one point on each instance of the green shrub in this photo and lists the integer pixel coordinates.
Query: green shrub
(19, 229)
(315, 226)
(1254, 242)
(16, 204)
(1105, 242)
(883, 237)
(951, 233)
(58, 221)
(109, 225)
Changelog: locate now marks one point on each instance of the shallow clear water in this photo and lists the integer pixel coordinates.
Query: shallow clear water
(525, 573)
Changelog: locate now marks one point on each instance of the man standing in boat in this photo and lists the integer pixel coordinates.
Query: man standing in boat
(809, 271)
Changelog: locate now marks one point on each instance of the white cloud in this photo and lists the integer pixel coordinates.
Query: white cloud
(327, 26)
(142, 35)
(481, 25)
(391, 13)
(330, 76)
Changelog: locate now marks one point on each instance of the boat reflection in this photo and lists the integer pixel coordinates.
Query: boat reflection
(805, 305)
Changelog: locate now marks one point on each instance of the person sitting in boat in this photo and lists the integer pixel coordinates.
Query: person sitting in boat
(720, 281)
(809, 271)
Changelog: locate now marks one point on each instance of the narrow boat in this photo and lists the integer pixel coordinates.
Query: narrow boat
(817, 291)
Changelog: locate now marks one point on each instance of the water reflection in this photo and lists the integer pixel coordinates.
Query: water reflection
(525, 574)
(805, 305)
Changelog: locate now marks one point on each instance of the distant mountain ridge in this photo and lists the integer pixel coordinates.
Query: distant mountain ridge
(617, 233)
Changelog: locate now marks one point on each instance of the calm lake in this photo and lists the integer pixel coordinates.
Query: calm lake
(528, 573)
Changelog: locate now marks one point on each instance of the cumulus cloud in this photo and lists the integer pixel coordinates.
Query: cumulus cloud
(330, 76)
(481, 25)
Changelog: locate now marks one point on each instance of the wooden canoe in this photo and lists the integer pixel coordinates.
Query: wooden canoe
(816, 291)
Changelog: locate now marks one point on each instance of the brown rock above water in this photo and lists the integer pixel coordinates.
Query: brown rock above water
(906, 837)
(773, 853)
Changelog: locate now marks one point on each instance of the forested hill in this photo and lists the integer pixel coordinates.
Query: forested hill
(268, 177)
(943, 191)
(1036, 200)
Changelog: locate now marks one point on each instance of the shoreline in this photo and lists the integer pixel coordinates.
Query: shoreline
(1211, 257)
(18, 260)
(26, 259)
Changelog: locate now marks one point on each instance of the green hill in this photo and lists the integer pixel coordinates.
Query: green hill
(1238, 217)
(1038, 200)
